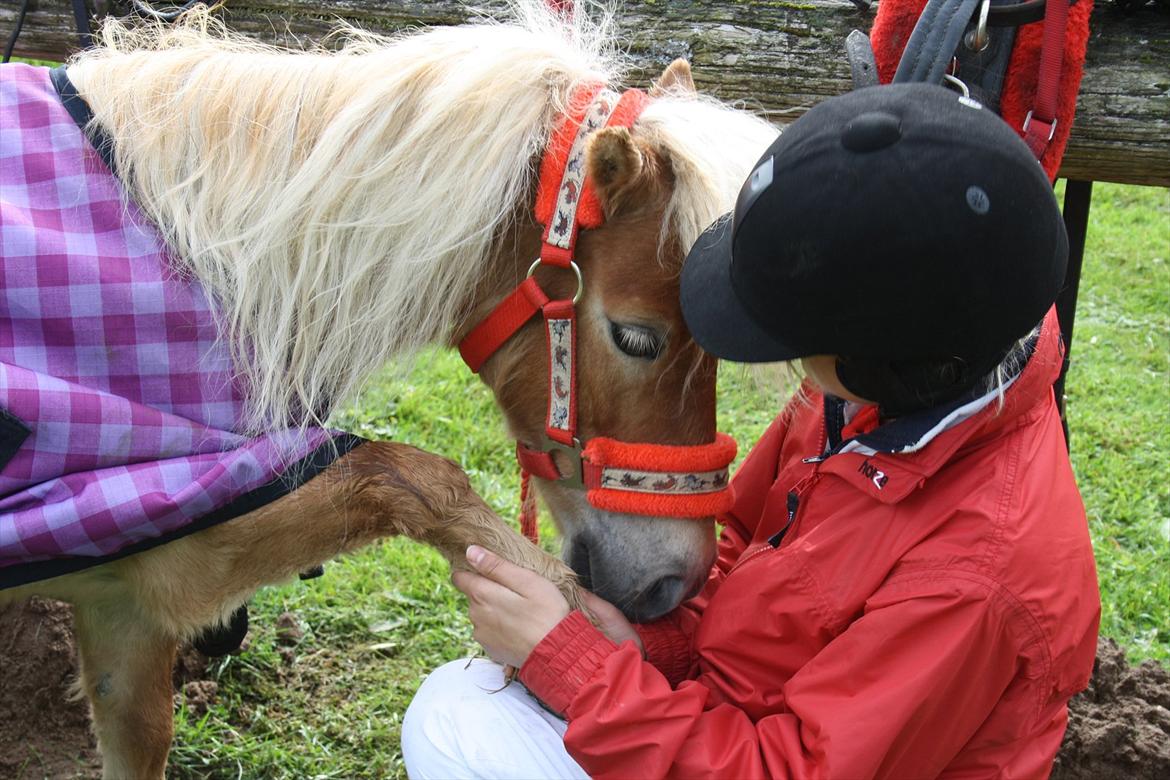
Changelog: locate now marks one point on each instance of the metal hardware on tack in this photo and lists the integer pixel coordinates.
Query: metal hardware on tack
(576, 476)
(1028, 123)
(958, 83)
(576, 270)
(978, 39)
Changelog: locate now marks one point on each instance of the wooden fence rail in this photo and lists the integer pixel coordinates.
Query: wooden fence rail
(781, 57)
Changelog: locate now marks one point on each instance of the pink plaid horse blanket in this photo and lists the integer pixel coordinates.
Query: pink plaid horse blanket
(118, 408)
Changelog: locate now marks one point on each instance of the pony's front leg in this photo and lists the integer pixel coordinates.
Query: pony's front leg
(126, 675)
(428, 498)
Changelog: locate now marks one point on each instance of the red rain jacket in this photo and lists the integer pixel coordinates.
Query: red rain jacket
(935, 625)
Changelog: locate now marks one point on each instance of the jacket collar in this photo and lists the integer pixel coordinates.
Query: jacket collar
(895, 459)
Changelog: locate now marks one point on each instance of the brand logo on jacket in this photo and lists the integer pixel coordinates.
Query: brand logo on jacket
(873, 473)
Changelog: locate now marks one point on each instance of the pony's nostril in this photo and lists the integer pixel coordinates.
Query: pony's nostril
(661, 597)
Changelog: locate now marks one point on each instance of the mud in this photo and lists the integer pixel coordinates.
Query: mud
(45, 733)
(1119, 729)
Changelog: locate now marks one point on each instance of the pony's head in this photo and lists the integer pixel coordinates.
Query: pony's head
(640, 376)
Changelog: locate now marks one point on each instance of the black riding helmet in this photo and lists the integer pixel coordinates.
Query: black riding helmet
(903, 228)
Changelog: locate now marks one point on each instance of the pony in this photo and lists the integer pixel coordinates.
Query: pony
(347, 207)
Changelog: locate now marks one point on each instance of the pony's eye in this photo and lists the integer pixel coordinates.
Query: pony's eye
(636, 340)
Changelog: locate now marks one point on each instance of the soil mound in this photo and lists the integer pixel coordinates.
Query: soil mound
(45, 733)
(1119, 729)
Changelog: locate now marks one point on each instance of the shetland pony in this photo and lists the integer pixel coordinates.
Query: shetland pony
(345, 208)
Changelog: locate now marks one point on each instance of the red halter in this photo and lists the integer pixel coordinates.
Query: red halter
(643, 479)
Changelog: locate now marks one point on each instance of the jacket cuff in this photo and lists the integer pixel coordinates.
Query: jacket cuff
(564, 660)
(667, 647)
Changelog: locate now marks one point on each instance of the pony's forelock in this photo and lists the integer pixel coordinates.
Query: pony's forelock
(340, 206)
(712, 148)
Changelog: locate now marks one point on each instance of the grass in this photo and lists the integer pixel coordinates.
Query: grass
(379, 620)
(1119, 411)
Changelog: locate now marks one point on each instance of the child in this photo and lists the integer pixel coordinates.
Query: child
(905, 586)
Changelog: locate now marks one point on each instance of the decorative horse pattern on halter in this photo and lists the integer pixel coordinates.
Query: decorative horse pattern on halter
(560, 340)
(665, 483)
(110, 362)
(561, 230)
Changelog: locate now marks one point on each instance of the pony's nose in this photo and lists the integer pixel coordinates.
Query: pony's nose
(641, 595)
(661, 597)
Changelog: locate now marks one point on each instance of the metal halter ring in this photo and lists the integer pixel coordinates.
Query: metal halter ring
(978, 39)
(576, 270)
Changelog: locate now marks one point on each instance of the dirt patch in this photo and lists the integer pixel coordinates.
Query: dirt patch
(44, 733)
(200, 695)
(289, 634)
(288, 630)
(1119, 729)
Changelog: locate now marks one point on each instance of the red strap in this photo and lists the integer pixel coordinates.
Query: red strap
(499, 326)
(555, 255)
(1040, 124)
(658, 479)
(611, 453)
(536, 462)
(556, 158)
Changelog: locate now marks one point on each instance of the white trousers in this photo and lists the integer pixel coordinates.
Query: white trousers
(463, 723)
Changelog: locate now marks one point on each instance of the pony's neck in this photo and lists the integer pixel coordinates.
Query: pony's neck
(340, 209)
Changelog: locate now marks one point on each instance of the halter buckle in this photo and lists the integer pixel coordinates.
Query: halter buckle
(1051, 127)
(576, 476)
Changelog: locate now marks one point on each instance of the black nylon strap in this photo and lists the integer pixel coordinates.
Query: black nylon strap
(80, 111)
(1019, 14)
(81, 14)
(983, 71)
(933, 42)
(13, 432)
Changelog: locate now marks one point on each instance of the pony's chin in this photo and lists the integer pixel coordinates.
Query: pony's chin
(645, 566)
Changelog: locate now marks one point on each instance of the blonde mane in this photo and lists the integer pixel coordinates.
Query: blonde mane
(340, 207)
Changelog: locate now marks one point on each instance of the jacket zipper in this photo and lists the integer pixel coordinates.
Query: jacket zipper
(793, 506)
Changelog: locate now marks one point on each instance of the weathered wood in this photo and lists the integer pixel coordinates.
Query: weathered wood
(781, 57)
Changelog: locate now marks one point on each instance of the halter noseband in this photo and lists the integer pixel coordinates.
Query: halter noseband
(643, 479)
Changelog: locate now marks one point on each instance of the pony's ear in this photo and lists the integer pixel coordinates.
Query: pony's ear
(676, 78)
(620, 167)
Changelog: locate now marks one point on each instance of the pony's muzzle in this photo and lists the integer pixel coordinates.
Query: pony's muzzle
(641, 595)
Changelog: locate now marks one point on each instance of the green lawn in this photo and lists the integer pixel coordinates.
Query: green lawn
(379, 620)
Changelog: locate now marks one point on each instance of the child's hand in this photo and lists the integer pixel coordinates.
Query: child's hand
(611, 621)
(511, 608)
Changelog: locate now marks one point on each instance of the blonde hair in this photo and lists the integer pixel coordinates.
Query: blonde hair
(340, 207)
(1011, 366)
